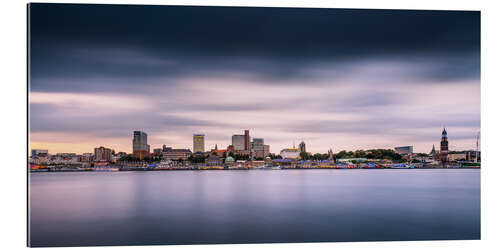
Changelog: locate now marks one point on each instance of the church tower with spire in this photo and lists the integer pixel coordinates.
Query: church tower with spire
(443, 152)
(434, 153)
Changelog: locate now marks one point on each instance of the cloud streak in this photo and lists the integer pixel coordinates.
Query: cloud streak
(342, 79)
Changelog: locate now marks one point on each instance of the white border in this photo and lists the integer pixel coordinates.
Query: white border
(13, 84)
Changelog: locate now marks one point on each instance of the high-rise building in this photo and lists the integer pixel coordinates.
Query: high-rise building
(302, 147)
(140, 146)
(247, 140)
(238, 142)
(267, 150)
(102, 154)
(258, 142)
(443, 152)
(198, 143)
(258, 148)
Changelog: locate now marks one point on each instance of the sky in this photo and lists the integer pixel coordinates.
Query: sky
(343, 79)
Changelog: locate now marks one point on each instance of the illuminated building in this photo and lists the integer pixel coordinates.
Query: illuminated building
(198, 143)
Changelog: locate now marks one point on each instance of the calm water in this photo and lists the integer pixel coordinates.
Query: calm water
(196, 207)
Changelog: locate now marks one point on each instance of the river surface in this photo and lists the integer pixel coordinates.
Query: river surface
(256, 206)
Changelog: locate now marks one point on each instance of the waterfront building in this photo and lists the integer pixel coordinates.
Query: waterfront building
(238, 142)
(268, 160)
(218, 152)
(290, 153)
(213, 160)
(443, 152)
(198, 143)
(474, 156)
(404, 150)
(457, 156)
(39, 156)
(349, 160)
(229, 161)
(258, 164)
(284, 163)
(36, 152)
(140, 147)
(302, 147)
(176, 154)
(242, 152)
(87, 157)
(466, 155)
(102, 154)
(157, 151)
(62, 158)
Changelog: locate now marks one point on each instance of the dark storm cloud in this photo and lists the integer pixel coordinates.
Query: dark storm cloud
(251, 31)
(143, 43)
(354, 78)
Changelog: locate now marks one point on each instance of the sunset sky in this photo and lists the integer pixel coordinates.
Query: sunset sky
(334, 78)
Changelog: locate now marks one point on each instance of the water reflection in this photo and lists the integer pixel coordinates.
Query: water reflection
(190, 207)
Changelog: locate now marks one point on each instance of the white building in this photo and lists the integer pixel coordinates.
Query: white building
(290, 153)
(405, 150)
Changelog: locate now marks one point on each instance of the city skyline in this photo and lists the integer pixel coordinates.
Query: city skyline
(340, 79)
(301, 146)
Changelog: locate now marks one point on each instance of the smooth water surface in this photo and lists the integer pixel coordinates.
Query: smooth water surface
(200, 207)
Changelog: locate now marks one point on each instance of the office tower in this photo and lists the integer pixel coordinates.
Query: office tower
(247, 140)
(140, 146)
(198, 143)
(238, 142)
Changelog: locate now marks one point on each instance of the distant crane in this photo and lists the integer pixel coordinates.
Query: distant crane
(477, 146)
